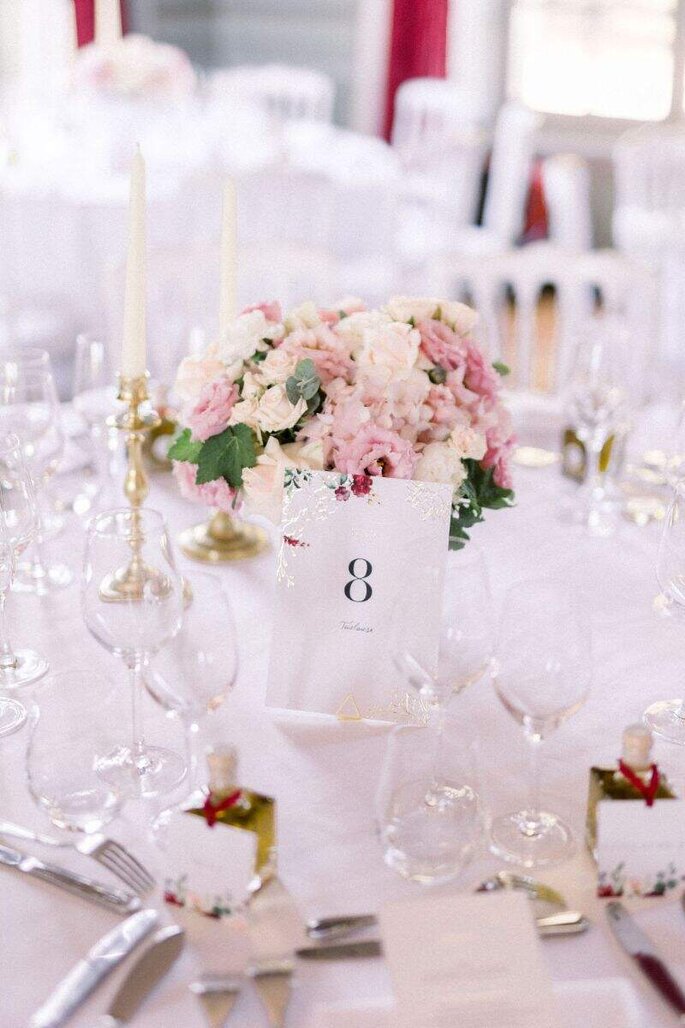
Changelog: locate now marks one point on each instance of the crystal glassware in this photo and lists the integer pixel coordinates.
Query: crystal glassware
(428, 810)
(67, 767)
(95, 399)
(667, 717)
(466, 633)
(597, 401)
(18, 525)
(194, 673)
(132, 601)
(541, 674)
(29, 407)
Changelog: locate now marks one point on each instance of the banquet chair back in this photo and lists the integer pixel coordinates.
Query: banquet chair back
(509, 173)
(536, 335)
(567, 186)
(283, 91)
(429, 114)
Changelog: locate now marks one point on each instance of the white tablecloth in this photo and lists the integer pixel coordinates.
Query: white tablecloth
(325, 778)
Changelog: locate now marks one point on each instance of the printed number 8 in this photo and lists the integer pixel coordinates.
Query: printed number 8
(361, 579)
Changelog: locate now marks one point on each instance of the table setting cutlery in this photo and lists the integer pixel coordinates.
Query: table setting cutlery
(117, 900)
(102, 958)
(639, 946)
(218, 995)
(108, 852)
(144, 976)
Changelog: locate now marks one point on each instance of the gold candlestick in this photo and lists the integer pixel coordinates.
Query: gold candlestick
(127, 583)
(221, 539)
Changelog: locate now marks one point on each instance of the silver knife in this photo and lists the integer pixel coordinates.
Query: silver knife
(641, 949)
(101, 959)
(119, 900)
(147, 971)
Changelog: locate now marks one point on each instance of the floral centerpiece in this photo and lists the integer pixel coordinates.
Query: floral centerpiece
(134, 66)
(404, 391)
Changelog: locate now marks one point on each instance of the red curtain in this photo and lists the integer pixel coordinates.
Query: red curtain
(85, 20)
(418, 46)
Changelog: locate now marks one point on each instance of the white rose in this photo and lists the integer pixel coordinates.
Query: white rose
(458, 316)
(394, 346)
(304, 316)
(406, 308)
(275, 412)
(243, 337)
(468, 443)
(195, 372)
(277, 366)
(355, 327)
(251, 386)
(440, 462)
(245, 413)
(263, 484)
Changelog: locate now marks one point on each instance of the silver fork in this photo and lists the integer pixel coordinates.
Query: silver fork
(107, 852)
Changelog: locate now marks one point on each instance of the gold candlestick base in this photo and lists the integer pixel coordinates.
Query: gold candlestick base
(223, 539)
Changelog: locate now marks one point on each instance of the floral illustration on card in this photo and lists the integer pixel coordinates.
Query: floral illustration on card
(619, 882)
(215, 905)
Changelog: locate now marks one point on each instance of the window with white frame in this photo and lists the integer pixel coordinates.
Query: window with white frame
(610, 58)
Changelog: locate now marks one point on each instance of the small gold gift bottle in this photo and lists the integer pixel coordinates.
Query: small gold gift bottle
(634, 777)
(227, 803)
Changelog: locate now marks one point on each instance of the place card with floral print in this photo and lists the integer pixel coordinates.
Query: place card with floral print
(641, 849)
(360, 570)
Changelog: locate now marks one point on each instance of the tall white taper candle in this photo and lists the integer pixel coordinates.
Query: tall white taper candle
(107, 22)
(133, 349)
(227, 306)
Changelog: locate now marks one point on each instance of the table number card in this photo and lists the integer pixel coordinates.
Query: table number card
(640, 849)
(471, 961)
(360, 567)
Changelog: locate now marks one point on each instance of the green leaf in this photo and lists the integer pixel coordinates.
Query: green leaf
(226, 454)
(304, 384)
(185, 448)
(292, 390)
(501, 368)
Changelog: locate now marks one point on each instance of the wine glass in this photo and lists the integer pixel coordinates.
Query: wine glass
(541, 674)
(95, 399)
(667, 717)
(132, 602)
(598, 404)
(29, 407)
(18, 525)
(428, 809)
(195, 672)
(66, 766)
(465, 637)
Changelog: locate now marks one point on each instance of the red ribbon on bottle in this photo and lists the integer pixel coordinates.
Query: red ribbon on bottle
(211, 809)
(647, 790)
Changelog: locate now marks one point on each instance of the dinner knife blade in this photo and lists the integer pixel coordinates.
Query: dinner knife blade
(119, 900)
(640, 947)
(100, 960)
(147, 971)
(341, 950)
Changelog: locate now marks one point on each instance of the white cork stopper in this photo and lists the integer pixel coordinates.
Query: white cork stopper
(223, 766)
(637, 746)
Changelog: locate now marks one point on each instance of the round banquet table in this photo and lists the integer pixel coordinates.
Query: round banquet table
(325, 776)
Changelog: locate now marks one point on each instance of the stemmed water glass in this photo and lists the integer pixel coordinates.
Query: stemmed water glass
(29, 407)
(598, 403)
(193, 675)
(667, 717)
(132, 601)
(95, 399)
(541, 674)
(18, 525)
(465, 638)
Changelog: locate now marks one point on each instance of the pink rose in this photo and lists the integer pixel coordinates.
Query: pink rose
(376, 451)
(328, 351)
(499, 444)
(441, 345)
(213, 494)
(271, 309)
(480, 375)
(212, 411)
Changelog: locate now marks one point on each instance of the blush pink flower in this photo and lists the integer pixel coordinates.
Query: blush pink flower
(376, 451)
(212, 412)
(328, 351)
(480, 375)
(212, 494)
(271, 309)
(441, 345)
(499, 444)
